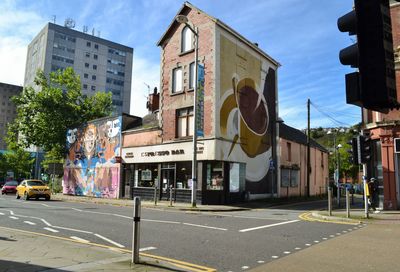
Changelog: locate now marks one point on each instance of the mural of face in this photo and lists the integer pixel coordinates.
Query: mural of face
(114, 128)
(89, 139)
(71, 135)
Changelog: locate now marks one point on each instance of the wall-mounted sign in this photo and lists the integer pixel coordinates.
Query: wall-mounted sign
(146, 174)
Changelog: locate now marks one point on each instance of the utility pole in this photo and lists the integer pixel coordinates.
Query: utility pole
(308, 147)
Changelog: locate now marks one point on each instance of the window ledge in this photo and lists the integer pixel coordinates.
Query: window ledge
(191, 90)
(177, 93)
(186, 52)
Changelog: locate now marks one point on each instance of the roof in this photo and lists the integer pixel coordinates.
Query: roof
(291, 134)
(220, 24)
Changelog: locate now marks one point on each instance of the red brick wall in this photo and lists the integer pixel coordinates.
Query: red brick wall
(171, 57)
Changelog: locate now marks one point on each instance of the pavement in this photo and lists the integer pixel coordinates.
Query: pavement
(374, 247)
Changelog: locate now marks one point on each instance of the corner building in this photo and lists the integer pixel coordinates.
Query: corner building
(238, 116)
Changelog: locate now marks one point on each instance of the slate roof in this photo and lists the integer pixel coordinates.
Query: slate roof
(291, 134)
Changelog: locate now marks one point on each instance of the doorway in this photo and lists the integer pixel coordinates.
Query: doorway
(167, 181)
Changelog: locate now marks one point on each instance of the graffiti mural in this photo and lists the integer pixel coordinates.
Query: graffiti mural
(246, 111)
(91, 167)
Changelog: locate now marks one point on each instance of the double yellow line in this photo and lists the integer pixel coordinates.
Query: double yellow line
(307, 216)
(181, 264)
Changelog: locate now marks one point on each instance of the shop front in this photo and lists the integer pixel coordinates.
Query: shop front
(165, 170)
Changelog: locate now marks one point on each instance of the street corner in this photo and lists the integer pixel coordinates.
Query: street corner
(318, 216)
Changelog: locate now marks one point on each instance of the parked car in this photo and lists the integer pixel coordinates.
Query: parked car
(33, 188)
(10, 187)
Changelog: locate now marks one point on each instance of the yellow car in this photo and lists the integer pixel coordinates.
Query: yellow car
(33, 188)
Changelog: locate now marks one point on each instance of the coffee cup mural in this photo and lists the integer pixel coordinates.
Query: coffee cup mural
(245, 112)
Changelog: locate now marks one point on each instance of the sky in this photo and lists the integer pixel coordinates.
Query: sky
(301, 35)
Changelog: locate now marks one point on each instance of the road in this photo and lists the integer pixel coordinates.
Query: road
(226, 241)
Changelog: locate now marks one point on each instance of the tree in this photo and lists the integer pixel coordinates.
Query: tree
(44, 116)
(18, 161)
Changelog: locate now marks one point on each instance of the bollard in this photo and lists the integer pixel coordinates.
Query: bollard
(347, 203)
(155, 195)
(330, 201)
(170, 195)
(136, 230)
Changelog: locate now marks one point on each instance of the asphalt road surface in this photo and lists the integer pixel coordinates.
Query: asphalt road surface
(226, 241)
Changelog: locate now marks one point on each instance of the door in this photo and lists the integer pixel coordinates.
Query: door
(167, 180)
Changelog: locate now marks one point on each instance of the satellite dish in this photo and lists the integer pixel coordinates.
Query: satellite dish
(69, 23)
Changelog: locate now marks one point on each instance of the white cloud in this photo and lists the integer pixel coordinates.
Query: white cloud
(143, 72)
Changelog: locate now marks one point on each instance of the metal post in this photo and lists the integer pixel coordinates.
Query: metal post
(136, 230)
(155, 195)
(170, 195)
(365, 191)
(330, 201)
(347, 203)
(338, 177)
(194, 161)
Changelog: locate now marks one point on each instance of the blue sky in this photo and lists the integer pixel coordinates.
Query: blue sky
(301, 35)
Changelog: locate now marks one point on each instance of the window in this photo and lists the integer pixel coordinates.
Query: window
(177, 80)
(88, 44)
(191, 75)
(85, 86)
(94, 67)
(96, 46)
(93, 77)
(87, 54)
(187, 39)
(215, 176)
(93, 88)
(289, 151)
(85, 75)
(185, 122)
(95, 56)
(290, 177)
(87, 65)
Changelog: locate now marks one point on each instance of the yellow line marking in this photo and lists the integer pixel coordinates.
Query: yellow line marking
(175, 262)
(307, 216)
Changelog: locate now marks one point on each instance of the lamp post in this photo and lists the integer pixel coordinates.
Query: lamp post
(182, 19)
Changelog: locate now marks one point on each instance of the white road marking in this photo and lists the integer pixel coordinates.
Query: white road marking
(45, 205)
(50, 229)
(81, 231)
(147, 248)
(1, 213)
(275, 257)
(338, 233)
(350, 230)
(331, 236)
(161, 221)
(75, 209)
(316, 241)
(260, 262)
(30, 223)
(13, 217)
(47, 223)
(324, 238)
(345, 231)
(245, 267)
(202, 226)
(297, 248)
(108, 240)
(123, 216)
(11, 212)
(308, 244)
(79, 239)
(286, 252)
(269, 226)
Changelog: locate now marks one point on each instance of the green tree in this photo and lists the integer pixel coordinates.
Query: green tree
(18, 161)
(44, 116)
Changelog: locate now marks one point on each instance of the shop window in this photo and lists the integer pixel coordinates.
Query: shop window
(183, 175)
(187, 39)
(177, 80)
(146, 175)
(185, 122)
(237, 177)
(215, 176)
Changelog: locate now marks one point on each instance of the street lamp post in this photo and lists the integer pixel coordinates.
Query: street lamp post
(182, 19)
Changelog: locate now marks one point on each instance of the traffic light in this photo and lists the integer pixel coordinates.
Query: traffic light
(353, 151)
(373, 86)
(364, 149)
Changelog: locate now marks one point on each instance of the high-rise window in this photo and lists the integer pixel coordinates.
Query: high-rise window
(177, 80)
(184, 122)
